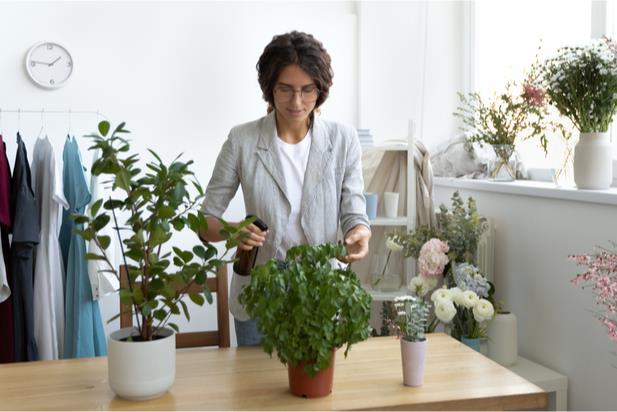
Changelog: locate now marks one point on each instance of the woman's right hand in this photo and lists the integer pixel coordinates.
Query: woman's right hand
(255, 238)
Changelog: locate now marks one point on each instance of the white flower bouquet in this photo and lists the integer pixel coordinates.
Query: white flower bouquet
(465, 307)
(581, 82)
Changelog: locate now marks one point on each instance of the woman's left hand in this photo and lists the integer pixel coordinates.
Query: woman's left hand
(356, 242)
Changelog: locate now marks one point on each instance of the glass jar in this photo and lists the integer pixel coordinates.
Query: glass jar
(503, 167)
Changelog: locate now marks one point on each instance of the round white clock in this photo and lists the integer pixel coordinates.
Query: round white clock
(49, 64)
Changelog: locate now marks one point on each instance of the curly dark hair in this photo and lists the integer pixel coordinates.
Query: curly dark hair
(295, 48)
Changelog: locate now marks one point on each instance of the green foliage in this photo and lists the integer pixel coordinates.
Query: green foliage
(158, 204)
(461, 227)
(410, 317)
(307, 307)
(519, 113)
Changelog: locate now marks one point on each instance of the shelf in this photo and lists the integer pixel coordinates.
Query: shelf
(386, 147)
(385, 296)
(531, 188)
(389, 221)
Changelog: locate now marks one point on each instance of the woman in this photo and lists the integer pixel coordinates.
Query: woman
(300, 174)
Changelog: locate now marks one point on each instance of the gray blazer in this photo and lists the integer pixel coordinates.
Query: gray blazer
(332, 195)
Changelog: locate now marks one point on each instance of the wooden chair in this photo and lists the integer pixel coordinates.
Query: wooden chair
(219, 337)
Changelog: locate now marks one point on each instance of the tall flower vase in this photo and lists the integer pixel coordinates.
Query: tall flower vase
(593, 167)
(413, 356)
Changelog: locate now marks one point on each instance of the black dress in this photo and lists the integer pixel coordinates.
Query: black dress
(25, 238)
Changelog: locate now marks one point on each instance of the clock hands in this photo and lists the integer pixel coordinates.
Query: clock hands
(54, 62)
(46, 63)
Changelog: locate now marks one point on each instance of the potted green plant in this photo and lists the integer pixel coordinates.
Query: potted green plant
(409, 319)
(156, 203)
(581, 82)
(306, 308)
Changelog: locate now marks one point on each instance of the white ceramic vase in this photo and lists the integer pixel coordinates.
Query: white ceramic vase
(390, 200)
(141, 370)
(593, 166)
(502, 339)
(413, 355)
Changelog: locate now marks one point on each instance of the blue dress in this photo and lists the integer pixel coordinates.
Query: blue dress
(84, 335)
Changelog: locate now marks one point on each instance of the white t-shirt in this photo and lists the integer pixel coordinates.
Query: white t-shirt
(294, 158)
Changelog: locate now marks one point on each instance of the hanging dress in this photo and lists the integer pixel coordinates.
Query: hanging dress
(7, 346)
(48, 268)
(25, 238)
(83, 334)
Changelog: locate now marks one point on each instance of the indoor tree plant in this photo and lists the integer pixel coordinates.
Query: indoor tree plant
(581, 82)
(306, 308)
(409, 320)
(156, 203)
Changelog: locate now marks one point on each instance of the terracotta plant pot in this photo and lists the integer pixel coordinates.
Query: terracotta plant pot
(318, 386)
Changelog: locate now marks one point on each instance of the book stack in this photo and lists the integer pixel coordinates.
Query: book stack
(366, 138)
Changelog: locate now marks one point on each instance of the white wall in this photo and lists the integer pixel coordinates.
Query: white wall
(392, 36)
(181, 74)
(532, 276)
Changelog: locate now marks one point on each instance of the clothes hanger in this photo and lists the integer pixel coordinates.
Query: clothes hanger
(68, 132)
(42, 123)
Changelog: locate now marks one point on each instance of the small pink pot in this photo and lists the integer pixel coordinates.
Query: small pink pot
(413, 355)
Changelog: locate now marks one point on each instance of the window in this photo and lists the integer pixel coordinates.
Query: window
(506, 39)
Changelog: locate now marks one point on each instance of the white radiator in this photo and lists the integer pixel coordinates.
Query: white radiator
(486, 249)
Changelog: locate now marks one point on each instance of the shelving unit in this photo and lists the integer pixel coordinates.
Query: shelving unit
(406, 222)
(378, 295)
(389, 221)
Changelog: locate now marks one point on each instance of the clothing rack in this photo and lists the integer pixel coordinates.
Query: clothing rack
(43, 112)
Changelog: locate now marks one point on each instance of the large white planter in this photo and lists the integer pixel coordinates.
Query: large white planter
(141, 370)
(503, 339)
(593, 166)
(413, 356)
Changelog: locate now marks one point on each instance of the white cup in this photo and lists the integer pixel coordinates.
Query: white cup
(390, 202)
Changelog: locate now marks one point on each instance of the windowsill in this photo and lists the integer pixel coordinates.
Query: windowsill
(532, 188)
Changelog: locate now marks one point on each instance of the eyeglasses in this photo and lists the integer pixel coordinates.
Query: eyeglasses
(308, 94)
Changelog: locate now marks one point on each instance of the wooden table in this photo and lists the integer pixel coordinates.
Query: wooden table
(456, 377)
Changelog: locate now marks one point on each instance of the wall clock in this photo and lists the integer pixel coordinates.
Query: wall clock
(49, 64)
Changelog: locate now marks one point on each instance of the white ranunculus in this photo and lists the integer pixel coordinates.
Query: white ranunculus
(393, 246)
(483, 311)
(457, 295)
(418, 286)
(469, 299)
(441, 294)
(445, 310)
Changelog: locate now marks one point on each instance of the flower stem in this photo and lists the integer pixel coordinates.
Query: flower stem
(383, 272)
